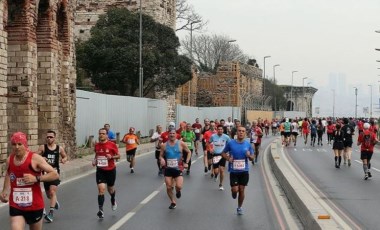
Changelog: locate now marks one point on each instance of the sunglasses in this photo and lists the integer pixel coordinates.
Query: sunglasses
(49, 137)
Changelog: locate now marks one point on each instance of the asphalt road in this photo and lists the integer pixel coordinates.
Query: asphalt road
(143, 203)
(355, 199)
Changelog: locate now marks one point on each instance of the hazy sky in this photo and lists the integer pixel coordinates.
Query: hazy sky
(318, 38)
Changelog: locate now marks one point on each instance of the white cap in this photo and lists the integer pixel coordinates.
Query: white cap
(171, 124)
(286, 119)
(366, 125)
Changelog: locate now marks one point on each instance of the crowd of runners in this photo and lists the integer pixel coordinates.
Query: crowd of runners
(223, 142)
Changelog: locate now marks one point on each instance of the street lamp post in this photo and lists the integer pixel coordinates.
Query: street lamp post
(356, 102)
(291, 91)
(264, 75)
(303, 92)
(141, 80)
(370, 107)
(274, 83)
(333, 90)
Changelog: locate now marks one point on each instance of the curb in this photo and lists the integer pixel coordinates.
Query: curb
(312, 210)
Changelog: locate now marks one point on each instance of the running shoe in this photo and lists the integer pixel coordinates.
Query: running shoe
(221, 188)
(369, 174)
(100, 214)
(212, 175)
(366, 176)
(57, 205)
(239, 211)
(172, 206)
(49, 217)
(178, 194)
(349, 162)
(209, 167)
(206, 170)
(132, 171)
(114, 206)
(187, 172)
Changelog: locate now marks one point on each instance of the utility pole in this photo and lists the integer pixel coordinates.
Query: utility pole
(291, 92)
(356, 102)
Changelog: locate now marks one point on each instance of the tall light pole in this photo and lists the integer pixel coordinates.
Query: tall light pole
(264, 75)
(370, 107)
(291, 91)
(141, 80)
(274, 83)
(333, 90)
(303, 92)
(191, 40)
(356, 102)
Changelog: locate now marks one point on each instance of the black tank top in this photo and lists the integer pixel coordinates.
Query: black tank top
(52, 157)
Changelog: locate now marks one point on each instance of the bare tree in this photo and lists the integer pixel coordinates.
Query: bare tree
(207, 51)
(187, 18)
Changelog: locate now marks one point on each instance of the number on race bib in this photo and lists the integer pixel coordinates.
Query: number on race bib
(172, 163)
(131, 141)
(216, 159)
(23, 196)
(102, 162)
(188, 144)
(238, 165)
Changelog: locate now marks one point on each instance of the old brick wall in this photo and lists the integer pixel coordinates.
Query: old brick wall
(88, 12)
(37, 71)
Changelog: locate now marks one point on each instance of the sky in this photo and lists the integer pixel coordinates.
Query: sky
(321, 39)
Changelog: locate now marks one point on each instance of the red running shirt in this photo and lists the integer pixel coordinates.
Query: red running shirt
(101, 151)
(25, 197)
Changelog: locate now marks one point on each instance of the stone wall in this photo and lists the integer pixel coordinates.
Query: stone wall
(37, 71)
(300, 97)
(88, 12)
(230, 86)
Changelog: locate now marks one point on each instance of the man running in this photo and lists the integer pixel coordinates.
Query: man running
(105, 154)
(367, 141)
(207, 154)
(240, 152)
(171, 157)
(22, 184)
(197, 127)
(110, 134)
(52, 152)
(188, 136)
(131, 141)
(156, 139)
(219, 141)
(255, 139)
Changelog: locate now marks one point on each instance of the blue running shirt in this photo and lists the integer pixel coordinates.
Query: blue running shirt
(172, 155)
(219, 142)
(237, 151)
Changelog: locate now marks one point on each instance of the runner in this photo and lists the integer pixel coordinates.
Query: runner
(320, 131)
(131, 141)
(171, 157)
(338, 145)
(295, 129)
(287, 131)
(22, 184)
(105, 154)
(188, 136)
(208, 156)
(156, 139)
(367, 141)
(240, 152)
(313, 132)
(205, 128)
(305, 129)
(52, 152)
(197, 127)
(219, 141)
(348, 132)
(111, 135)
(255, 139)
(330, 131)
(266, 127)
(274, 127)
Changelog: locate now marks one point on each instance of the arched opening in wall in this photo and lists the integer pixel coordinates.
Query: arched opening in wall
(289, 106)
(14, 14)
(63, 27)
(44, 37)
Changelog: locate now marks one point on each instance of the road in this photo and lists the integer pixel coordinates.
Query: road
(143, 203)
(356, 200)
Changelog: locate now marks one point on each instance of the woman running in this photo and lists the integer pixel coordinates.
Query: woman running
(330, 131)
(305, 129)
(338, 145)
(320, 129)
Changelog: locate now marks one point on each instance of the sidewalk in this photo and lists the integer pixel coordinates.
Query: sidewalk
(76, 167)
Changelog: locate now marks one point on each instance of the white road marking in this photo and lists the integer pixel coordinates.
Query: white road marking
(118, 224)
(146, 200)
(375, 169)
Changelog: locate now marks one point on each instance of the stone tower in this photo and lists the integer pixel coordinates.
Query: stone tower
(37, 71)
(88, 12)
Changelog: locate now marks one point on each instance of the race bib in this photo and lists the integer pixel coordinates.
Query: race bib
(238, 164)
(188, 144)
(131, 141)
(23, 196)
(216, 159)
(196, 130)
(172, 163)
(102, 162)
